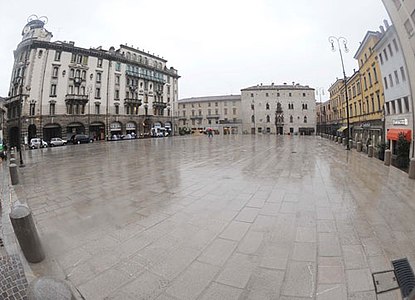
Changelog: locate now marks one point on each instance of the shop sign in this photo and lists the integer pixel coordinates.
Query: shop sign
(130, 126)
(400, 121)
(115, 126)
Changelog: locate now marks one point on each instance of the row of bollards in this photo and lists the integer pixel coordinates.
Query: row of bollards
(370, 151)
(43, 288)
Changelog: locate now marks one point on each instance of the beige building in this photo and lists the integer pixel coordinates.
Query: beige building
(402, 14)
(221, 113)
(278, 109)
(58, 89)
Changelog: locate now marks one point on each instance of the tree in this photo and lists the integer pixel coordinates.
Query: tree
(402, 151)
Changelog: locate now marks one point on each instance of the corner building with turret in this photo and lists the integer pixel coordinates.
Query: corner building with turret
(58, 90)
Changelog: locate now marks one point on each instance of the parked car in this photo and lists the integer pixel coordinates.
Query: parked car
(57, 142)
(36, 143)
(81, 139)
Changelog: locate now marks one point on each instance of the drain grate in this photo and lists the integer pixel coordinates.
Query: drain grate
(404, 275)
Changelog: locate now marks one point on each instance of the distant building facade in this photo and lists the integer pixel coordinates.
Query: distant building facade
(402, 14)
(221, 113)
(279, 109)
(370, 125)
(58, 89)
(398, 99)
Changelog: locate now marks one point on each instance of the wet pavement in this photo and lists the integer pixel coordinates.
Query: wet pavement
(233, 217)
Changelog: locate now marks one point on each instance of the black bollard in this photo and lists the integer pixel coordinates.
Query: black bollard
(26, 233)
(13, 174)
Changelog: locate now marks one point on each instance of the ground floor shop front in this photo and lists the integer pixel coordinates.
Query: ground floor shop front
(96, 127)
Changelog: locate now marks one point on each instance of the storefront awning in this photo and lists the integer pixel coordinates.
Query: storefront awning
(393, 134)
(341, 129)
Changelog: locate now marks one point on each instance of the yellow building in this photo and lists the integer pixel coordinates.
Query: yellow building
(335, 121)
(368, 120)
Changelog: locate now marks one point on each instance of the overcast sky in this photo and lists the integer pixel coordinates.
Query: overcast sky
(217, 46)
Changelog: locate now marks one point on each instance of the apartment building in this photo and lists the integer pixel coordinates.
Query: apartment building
(58, 89)
(279, 109)
(398, 99)
(221, 113)
(402, 15)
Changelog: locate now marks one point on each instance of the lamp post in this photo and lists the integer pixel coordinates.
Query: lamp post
(342, 40)
(19, 120)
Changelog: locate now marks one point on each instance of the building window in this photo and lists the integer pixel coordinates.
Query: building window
(375, 74)
(399, 106)
(97, 109)
(216, 111)
(385, 54)
(225, 111)
(98, 77)
(234, 111)
(408, 27)
(370, 78)
(209, 104)
(117, 79)
(395, 44)
(58, 55)
(53, 90)
(364, 83)
(305, 119)
(386, 82)
(267, 106)
(55, 72)
(98, 93)
(381, 58)
(406, 103)
(118, 66)
(252, 95)
(390, 80)
(268, 119)
(117, 94)
(403, 74)
(253, 119)
(252, 107)
(52, 109)
(390, 49)
(304, 105)
(289, 94)
(99, 63)
(278, 94)
(396, 77)
(32, 109)
(303, 94)
(291, 119)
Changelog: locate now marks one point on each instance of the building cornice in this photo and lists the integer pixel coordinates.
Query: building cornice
(68, 47)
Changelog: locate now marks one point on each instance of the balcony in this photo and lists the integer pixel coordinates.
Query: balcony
(145, 76)
(237, 121)
(76, 98)
(213, 116)
(159, 105)
(196, 117)
(132, 101)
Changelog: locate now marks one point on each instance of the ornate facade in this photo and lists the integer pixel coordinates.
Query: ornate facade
(279, 109)
(58, 89)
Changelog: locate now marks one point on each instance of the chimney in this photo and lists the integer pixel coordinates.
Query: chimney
(293, 82)
(285, 83)
(386, 24)
(382, 30)
(272, 84)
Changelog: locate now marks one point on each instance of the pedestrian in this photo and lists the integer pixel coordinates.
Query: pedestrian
(210, 132)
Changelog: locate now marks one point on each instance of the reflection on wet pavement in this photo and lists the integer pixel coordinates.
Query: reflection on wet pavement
(231, 217)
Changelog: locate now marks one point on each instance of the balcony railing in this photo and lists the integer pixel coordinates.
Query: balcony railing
(160, 104)
(79, 98)
(132, 101)
(145, 76)
(213, 116)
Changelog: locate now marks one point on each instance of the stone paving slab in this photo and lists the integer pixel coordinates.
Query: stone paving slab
(234, 217)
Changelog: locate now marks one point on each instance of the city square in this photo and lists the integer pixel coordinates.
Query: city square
(228, 217)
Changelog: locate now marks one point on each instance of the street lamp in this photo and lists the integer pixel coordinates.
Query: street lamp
(19, 80)
(343, 41)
